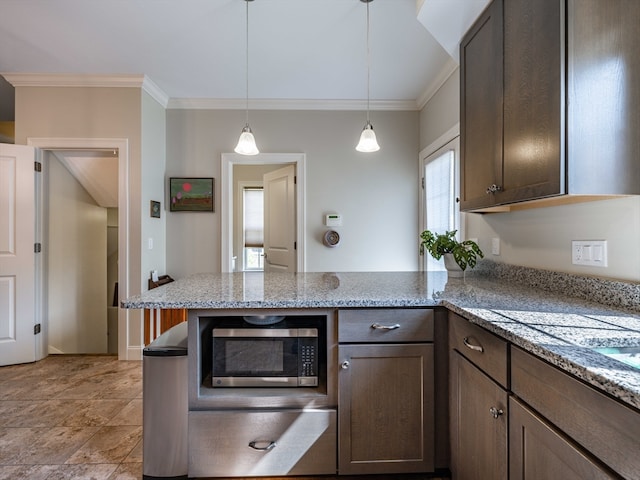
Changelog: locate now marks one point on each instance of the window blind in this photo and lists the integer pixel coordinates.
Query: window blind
(253, 221)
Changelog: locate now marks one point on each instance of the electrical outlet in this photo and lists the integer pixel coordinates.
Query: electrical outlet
(589, 252)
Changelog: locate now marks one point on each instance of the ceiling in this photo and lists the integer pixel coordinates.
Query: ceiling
(312, 50)
(301, 52)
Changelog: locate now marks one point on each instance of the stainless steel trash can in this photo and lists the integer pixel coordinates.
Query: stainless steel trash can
(164, 406)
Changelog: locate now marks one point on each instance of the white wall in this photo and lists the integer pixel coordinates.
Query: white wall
(104, 113)
(376, 193)
(541, 237)
(77, 257)
(153, 154)
(441, 112)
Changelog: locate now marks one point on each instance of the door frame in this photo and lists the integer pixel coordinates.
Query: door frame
(226, 211)
(124, 213)
(426, 155)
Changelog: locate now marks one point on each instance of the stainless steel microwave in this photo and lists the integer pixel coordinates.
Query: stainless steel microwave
(248, 356)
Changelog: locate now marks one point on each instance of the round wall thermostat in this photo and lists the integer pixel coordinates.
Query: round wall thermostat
(331, 238)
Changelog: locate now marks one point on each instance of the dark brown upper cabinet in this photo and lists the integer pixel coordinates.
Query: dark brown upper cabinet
(550, 103)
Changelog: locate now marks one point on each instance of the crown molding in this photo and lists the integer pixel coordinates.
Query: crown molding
(288, 104)
(146, 84)
(74, 80)
(155, 91)
(431, 89)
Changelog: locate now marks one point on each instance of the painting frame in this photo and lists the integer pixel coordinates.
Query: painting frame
(191, 194)
(154, 209)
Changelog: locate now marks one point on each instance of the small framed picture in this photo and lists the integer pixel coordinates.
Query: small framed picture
(191, 194)
(155, 209)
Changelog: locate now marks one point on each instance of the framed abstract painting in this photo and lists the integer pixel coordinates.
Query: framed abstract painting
(191, 194)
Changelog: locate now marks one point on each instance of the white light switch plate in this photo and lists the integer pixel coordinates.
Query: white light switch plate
(589, 252)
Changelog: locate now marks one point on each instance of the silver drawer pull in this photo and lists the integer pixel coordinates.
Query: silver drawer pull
(496, 412)
(345, 365)
(377, 326)
(269, 446)
(477, 348)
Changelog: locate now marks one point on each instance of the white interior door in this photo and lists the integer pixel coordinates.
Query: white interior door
(17, 257)
(280, 220)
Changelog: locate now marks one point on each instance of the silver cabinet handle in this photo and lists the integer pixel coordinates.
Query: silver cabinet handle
(493, 189)
(270, 445)
(345, 365)
(477, 348)
(377, 326)
(496, 412)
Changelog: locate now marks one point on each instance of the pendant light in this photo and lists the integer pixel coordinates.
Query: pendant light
(246, 142)
(368, 142)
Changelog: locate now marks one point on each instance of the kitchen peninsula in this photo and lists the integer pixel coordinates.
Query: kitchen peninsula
(518, 307)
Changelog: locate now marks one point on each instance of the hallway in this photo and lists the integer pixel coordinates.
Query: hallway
(71, 417)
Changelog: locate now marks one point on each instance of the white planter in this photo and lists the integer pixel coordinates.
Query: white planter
(453, 269)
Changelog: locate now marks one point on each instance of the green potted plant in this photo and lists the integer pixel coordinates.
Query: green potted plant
(463, 254)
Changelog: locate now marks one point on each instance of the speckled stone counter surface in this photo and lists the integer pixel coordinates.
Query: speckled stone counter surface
(549, 314)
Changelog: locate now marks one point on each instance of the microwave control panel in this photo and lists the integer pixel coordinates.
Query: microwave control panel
(307, 358)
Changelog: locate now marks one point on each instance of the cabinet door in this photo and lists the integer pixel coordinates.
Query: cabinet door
(539, 452)
(603, 69)
(533, 156)
(386, 409)
(478, 413)
(481, 108)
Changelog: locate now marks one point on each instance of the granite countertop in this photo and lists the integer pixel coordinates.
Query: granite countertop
(520, 305)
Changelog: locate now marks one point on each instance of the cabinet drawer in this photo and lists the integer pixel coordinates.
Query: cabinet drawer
(219, 443)
(481, 347)
(603, 426)
(385, 325)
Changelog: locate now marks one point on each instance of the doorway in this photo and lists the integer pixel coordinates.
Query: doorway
(230, 224)
(81, 211)
(115, 227)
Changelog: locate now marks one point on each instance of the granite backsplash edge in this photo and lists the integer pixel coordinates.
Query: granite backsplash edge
(614, 293)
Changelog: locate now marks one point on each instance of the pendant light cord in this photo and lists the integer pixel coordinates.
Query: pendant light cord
(368, 63)
(247, 65)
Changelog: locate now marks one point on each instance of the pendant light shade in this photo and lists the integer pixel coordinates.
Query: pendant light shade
(247, 143)
(368, 142)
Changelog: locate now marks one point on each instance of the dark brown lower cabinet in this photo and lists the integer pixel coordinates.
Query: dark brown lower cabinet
(539, 452)
(386, 409)
(478, 411)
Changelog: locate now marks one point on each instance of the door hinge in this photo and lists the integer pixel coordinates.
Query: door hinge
(36, 329)
(295, 245)
(37, 247)
(295, 179)
(423, 183)
(38, 166)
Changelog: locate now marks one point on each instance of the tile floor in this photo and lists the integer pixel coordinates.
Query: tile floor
(79, 417)
(71, 418)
